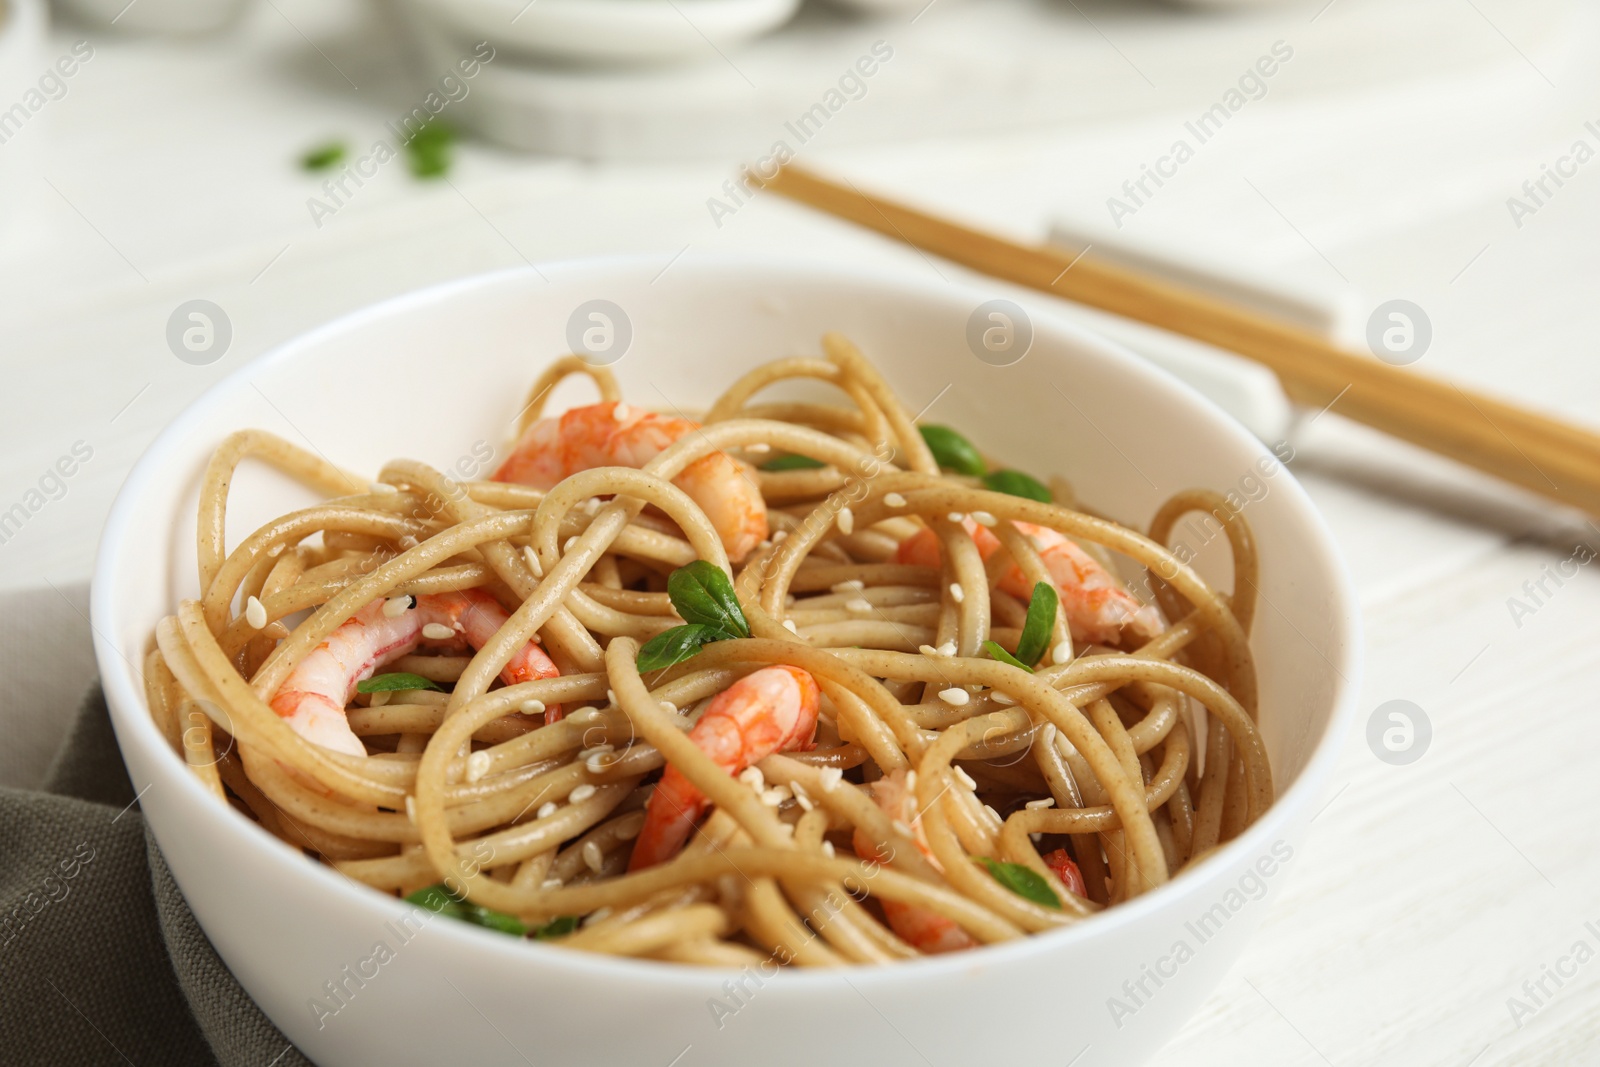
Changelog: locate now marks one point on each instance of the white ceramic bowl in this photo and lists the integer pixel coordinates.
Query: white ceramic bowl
(428, 375)
(181, 18)
(607, 31)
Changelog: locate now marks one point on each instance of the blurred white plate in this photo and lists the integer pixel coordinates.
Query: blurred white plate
(157, 16)
(611, 31)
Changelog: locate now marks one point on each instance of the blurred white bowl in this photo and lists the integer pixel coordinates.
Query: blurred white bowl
(23, 61)
(447, 367)
(609, 31)
(180, 17)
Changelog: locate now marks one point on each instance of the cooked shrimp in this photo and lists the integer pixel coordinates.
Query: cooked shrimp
(924, 930)
(1061, 863)
(618, 435)
(771, 710)
(1098, 609)
(314, 696)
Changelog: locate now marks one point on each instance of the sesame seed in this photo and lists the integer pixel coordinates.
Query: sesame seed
(397, 606)
(758, 446)
(411, 809)
(598, 764)
(580, 794)
(828, 849)
(437, 631)
(628, 832)
(1036, 805)
(846, 520)
(593, 858)
(752, 777)
(254, 613)
(859, 605)
(1062, 653)
(990, 809)
(1004, 699)
(407, 543)
(611, 695)
(788, 624)
(958, 594)
(911, 781)
(902, 827)
(831, 777)
(622, 412)
(567, 547)
(597, 750)
(966, 779)
(894, 500)
(586, 716)
(955, 516)
(947, 649)
(532, 558)
(383, 488)
(379, 699)
(599, 916)
(547, 809)
(550, 883)
(532, 707)
(983, 518)
(591, 506)
(669, 707)
(854, 585)
(801, 796)
(477, 765)
(955, 697)
(927, 650)
(779, 536)
(773, 797)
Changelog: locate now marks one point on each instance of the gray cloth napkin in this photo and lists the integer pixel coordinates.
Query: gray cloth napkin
(101, 961)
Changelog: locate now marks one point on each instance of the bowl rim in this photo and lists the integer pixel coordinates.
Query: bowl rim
(124, 693)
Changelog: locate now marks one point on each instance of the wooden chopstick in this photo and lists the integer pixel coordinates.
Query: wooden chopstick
(1554, 458)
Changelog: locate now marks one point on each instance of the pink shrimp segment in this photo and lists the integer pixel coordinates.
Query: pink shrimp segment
(618, 435)
(1098, 610)
(314, 696)
(772, 710)
(924, 930)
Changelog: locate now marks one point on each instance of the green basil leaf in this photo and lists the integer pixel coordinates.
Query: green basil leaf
(1015, 483)
(703, 593)
(1025, 882)
(792, 463)
(393, 683)
(674, 646)
(439, 899)
(996, 652)
(1041, 622)
(428, 150)
(560, 926)
(952, 451)
(323, 156)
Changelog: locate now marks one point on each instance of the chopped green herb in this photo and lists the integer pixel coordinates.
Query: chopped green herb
(393, 683)
(429, 150)
(996, 652)
(1025, 882)
(675, 645)
(952, 451)
(324, 156)
(1015, 483)
(792, 463)
(1041, 622)
(557, 927)
(703, 593)
(439, 899)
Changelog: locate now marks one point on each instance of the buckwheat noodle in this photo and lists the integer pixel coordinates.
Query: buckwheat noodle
(1136, 760)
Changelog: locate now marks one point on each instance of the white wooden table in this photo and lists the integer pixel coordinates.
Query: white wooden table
(1430, 892)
